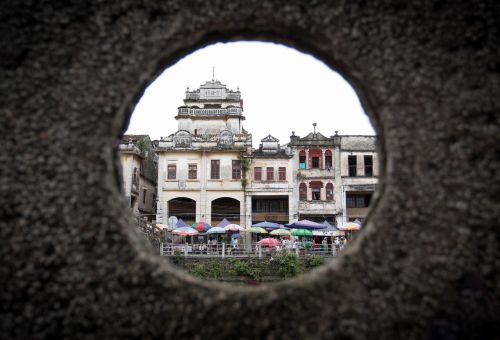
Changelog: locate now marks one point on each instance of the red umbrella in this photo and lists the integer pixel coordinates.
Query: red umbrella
(269, 242)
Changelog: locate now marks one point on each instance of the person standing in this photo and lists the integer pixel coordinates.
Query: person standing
(325, 245)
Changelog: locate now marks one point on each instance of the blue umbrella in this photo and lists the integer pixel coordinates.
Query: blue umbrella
(306, 224)
(267, 225)
(181, 223)
(235, 235)
(216, 230)
(223, 223)
(329, 227)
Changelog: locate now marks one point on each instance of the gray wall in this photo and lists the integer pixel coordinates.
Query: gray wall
(427, 262)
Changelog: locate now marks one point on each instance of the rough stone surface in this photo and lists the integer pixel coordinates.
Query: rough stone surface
(426, 265)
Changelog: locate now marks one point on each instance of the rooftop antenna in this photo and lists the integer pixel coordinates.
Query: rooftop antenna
(314, 124)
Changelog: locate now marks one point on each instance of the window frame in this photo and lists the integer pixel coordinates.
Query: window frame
(191, 171)
(169, 173)
(313, 164)
(315, 191)
(352, 166)
(236, 170)
(329, 195)
(257, 170)
(282, 173)
(368, 165)
(269, 171)
(215, 169)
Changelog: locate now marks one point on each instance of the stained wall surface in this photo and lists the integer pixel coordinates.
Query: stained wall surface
(426, 264)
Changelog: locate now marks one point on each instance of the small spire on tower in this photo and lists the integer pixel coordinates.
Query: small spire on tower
(213, 74)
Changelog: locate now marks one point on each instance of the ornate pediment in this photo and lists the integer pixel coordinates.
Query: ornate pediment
(226, 138)
(182, 139)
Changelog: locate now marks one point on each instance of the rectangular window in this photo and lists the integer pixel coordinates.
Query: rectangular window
(270, 174)
(302, 162)
(215, 169)
(352, 161)
(315, 162)
(351, 202)
(257, 174)
(193, 171)
(282, 173)
(236, 169)
(172, 171)
(360, 202)
(368, 165)
(316, 194)
(144, 194)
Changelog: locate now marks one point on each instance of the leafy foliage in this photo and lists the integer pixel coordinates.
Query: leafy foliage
(314, 261)
(289, 265)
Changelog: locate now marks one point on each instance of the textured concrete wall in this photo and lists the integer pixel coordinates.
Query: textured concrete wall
(428, 74)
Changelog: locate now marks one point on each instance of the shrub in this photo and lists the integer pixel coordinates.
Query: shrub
(288, 265)
(314, 261)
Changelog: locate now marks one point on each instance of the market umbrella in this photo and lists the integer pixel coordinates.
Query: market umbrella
(181, 223)
(269, 242)
(216, 230)
(350, 226)
(257, 230)
(330, 230)
(223, 223)
(201, 226)
(305, 224)
(267, 225)
(234, 227)
(301, 232)
(280, 232)
(185, 231)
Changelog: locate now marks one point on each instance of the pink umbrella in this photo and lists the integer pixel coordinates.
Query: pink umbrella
(269, 242)
(185, 231)
(234, 227)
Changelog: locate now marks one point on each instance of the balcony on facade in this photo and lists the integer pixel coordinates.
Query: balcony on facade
(130, 148)
(317, 207)
(316, 173)
(189, 111)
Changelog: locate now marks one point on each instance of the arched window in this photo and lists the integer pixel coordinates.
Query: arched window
(302, 159)
(328, 160)
(329, 192)
(303, 192)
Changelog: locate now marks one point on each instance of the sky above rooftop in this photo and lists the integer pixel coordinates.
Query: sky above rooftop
(283, 90)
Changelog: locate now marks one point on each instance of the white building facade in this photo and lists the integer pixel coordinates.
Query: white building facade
(270, 188)
(207, 169)
(200, 173)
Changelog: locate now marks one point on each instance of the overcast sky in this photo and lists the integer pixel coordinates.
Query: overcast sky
(283, 90)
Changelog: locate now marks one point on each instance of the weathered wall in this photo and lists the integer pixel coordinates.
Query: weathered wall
(427, 263)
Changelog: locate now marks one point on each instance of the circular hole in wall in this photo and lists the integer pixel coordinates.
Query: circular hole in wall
(249, 161)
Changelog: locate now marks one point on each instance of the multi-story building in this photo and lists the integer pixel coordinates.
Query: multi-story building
(200, 165)
(359, 171)
(317, 176)
(139, 174)
(208, 170)
(269, 192)
(336, 176)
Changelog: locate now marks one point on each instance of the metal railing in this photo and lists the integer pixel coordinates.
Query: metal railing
(222, 250)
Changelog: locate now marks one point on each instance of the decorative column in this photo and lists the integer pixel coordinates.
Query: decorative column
(308, 166)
